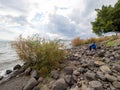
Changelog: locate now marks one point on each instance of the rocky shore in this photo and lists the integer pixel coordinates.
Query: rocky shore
(83, 70)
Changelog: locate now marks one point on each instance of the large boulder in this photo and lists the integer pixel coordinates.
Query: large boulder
(96, 85)
(60, 84)
(31, 84)
(17, 67)
(55, 74)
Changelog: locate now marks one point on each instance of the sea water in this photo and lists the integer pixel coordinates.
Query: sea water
(8, 57)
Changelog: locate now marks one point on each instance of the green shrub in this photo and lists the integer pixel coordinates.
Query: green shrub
(45, 55)
(110, 43)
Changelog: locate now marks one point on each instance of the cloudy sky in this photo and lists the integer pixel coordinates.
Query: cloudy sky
(63, 19)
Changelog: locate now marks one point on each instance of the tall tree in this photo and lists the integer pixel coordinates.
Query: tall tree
(108, 19)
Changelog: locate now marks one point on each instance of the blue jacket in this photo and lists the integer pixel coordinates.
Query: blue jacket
(93, 46)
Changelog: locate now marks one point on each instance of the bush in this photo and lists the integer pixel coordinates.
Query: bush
(45, 55)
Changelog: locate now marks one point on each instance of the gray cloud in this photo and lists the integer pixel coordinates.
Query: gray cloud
(19, 5)
(62, 26)
(21, 20)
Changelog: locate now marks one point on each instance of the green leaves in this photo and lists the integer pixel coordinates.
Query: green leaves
(108, 19)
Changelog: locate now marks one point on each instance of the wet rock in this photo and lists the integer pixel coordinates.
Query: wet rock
(69, 80)
(31, 84)
(1, 77)
(55, 74)
(90, 76)
(35, 74)
(60, 84)
(116, 84)
(68, 70)
(96, 85)
(17, 67)
(110, 78)
(105, 69)
(28, 71)
(8, 71)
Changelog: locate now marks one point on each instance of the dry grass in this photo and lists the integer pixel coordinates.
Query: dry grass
(45, 54)
(77, 41)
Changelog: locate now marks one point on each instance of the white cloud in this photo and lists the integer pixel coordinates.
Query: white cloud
(50, 18)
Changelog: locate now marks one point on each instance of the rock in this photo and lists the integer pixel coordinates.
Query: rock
(68, 70)
(35, 74)
(84, 87)
(82, 70)
(14, 73)
(17, 67)
(1, 77)
(28, 71)
(116, 67)
(105, 69)
(36, 88)
(8, 71)
(40, 79)
(110, 78)
(90, 76)
(116, 84)
(31, 84)
(84, 65)
(60, 84)
(101, 53)
(98, 63)
(76, 73)
(100, 75)
(55, 74)
(117, 56)
(96, 85)
(112, 58)
(69, 80)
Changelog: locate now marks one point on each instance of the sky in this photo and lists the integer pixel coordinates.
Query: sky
(62, 19)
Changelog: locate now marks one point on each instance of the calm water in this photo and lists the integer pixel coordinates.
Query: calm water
(8, 57)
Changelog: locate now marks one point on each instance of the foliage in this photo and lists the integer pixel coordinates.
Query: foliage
(45, 54)
(108, 19)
